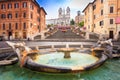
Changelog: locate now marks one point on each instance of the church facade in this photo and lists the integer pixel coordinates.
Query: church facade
(63, 18)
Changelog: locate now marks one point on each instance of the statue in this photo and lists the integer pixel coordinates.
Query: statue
(22, 51)
(108, 48)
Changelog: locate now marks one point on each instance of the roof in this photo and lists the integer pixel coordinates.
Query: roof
(34, 1)
(86, 7)
(44, 10)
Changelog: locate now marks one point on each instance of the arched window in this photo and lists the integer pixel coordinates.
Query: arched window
(3, 26)
(16, 5)
(9, 6)
(24, 15)
(24, 4)
(9, 16)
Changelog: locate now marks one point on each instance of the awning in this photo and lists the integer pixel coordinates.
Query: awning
(117, 20)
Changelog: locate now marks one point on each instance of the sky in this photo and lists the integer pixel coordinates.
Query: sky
(52, 6)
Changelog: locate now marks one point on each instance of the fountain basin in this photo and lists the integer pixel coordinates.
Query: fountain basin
(97, 52)
(7, 57)
(55, 63)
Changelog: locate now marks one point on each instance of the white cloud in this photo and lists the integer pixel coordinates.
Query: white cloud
(78, 4)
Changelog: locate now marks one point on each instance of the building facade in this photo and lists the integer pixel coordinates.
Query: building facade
(79, 18)
(21, 19)
(102, 17)
(63, 18)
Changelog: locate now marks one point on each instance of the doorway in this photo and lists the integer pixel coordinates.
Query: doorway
(9, 35)
(16, 35)
(24, 35)
(111, 35)
(119, 36)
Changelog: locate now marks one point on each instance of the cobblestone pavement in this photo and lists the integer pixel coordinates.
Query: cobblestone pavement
(3, 44)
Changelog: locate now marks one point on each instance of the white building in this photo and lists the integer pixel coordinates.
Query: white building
(63, 18)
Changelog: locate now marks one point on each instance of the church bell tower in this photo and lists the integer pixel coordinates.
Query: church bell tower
(60, 13)
(68, 12)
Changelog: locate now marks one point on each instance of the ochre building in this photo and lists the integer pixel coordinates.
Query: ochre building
(79, 18)
(21, 19)
(103, 18)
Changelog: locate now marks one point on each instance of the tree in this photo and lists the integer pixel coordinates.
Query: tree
(72, 22)
(50, 25)
(81, 24)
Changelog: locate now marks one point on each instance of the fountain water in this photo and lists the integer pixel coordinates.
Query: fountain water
(81, 46)
(67, 45)
(37, 48)
(67, 51)
(52, 48)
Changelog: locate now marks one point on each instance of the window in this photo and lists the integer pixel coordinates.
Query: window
(3, 33)
(16, 15)
(32, 7)
(111, 9)
(3, 26)
(94, 17)
(38, 11)
(101, 23)
(24, 14)
(88, 10)
(9, 16)
(101, 12)
(101, 1)
(16, 5)
(10, 26)
(85, 13)
(3, 16)
(3, 6)
(9, 6)
(24, 4)
(94, 7)
(24, 26)
(16, 26)
(38, 27)
(38, 19)
(94, 26)
(31, 25)
(111, 21)
(31, 15)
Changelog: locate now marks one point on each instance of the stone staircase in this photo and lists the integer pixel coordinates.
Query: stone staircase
(65, 35)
